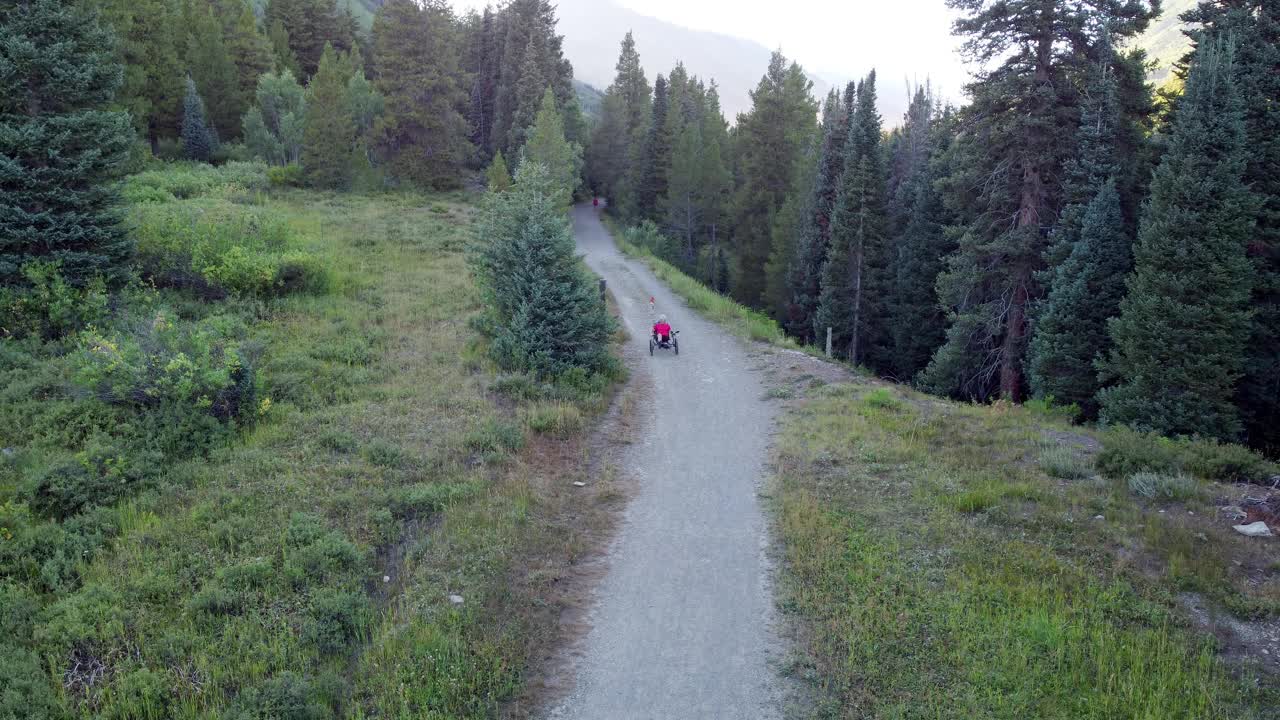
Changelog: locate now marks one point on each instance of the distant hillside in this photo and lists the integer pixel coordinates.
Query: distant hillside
(589, 98)
(593, 31)
(1164, 41)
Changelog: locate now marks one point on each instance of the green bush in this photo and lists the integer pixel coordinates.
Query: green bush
(50, 307)
(338, 441)
(421, 498)
(1161, 486)
(99, 475)
(189, 369)
(184, 180)
(284, 697)
(315, 554)
(1126, 452)
(335, 619)
(215, 600)
(1226, 462)
(1063, 462)
(25, 691)
(385, 454)
(555, 418)
(286, 175)
(496, 437)
(881, 398)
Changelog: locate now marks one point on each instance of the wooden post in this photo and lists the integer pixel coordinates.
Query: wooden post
(602, 290)
(828, 342)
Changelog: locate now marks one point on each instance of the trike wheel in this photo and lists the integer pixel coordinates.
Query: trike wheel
(675, 345)
(650, 346)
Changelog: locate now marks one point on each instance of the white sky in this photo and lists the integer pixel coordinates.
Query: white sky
(905, 40)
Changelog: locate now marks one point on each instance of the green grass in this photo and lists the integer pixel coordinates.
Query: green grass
(248, 579)
(940, 569)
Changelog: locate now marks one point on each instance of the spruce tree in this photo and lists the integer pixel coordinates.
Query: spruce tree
(497, 176)
(285, 59)
(307, 26)
(61, 149)
(486, 72)
(770, 138)
(1183, 328)
(1254, 25)
(210, 66)
(199, 139)
(715, 187)
(529, 92)
(251, 54)
(624, 114)
(519, 23)
(788, 224)
(853, 282)
(150, 51)
(547, 147)
(1089, 257)
(653, 157)
(546, 315)
(1020, 127)
(422, 132)
(804, 277)
(328, 141)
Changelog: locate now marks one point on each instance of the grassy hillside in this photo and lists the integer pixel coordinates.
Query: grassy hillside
(279, 477)
(1164, 40)
(953, 561)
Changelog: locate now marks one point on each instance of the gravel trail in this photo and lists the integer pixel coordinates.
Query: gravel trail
(682, 625)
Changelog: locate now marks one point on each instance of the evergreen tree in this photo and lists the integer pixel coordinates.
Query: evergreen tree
(423, 132)
(151, 56)
(1254, 25)
(805, 274)
(545, 312)
(1181, 336)
(210, 66)
(916, 320)
(285, 59)
(715, 186)
(61, 149)
(199, 139)
(274, 128)
(682, 210)
(547, 147)
(787, 225)
(1021, 123)
(654, 156)
(529, 92)
(251, 54)
(852, 282)
(770, 138)
(520, 23)
(1089, 258)
(307, 26)
(498, 177)
(327, 142)
(624, 116)
(486, 73)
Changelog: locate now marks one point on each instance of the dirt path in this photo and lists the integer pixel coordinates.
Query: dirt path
(683, 624)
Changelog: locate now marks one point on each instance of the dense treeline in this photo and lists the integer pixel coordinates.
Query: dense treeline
(1063, 236)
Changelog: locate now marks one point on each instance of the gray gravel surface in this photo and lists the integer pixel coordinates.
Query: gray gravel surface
(682, 624)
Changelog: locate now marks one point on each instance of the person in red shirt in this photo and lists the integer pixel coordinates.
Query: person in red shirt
(661, 330)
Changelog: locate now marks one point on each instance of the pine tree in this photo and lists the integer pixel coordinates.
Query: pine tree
(653, 156)
(210, 66)
(788, 224)
(770, 138)
(1089, 258)
(251, 54)
(529, 92)
(1181, 336)
(715, 186)
(330, 133)
(547, 147)
(546, 314)
(150, 54)
(498, 177)
(814, 238)
(853, 281)
(308, 25)
(1254, 25)
(486, 73)
(520, 23)
(422, 132)
(1022, 121)
(916, 320)
(62, 148)
(624, 114)
(199, 139)
(285, 59)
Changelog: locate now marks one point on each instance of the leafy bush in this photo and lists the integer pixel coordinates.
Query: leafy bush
(1126, 452)
(215, 600)
(385, 454)
(50, 307)
(1047, 407)
(1161, 486)
(284, 697)
(336, 617)
(316, 553)
(189, 180)
(199, 369)
(555, 418)
(881, 398)
(26, 693)
(1063, 462)
(429, 497)
(99, 475)
(286, 175)
(496, 436)
(338, 441)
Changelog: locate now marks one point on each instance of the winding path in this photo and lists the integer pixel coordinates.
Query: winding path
(682, 625)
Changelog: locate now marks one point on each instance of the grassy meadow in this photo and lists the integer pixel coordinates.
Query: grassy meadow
(959, 561)
(278, 476)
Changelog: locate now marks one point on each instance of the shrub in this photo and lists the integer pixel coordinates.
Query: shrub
(1161, 486)
(881, 398)
(519, 386)
(27, 693)
(201, 369)
(385, 454)
(1227, 462)
(336, 617)
(1063, 462)
(496, 436)
(556, 418)
(429, 497)
(284, 697)
(316, 553)
(100, 475)
(338, 441)
(286, 175)
(215, 600)
(1125, 452)
(50, 307)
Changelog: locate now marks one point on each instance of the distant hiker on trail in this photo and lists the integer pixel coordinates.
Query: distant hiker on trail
(595, 201)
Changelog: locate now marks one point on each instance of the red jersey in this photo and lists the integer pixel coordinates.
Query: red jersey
(661, 329)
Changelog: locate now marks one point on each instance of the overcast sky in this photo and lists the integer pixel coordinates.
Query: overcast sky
(905, 40)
